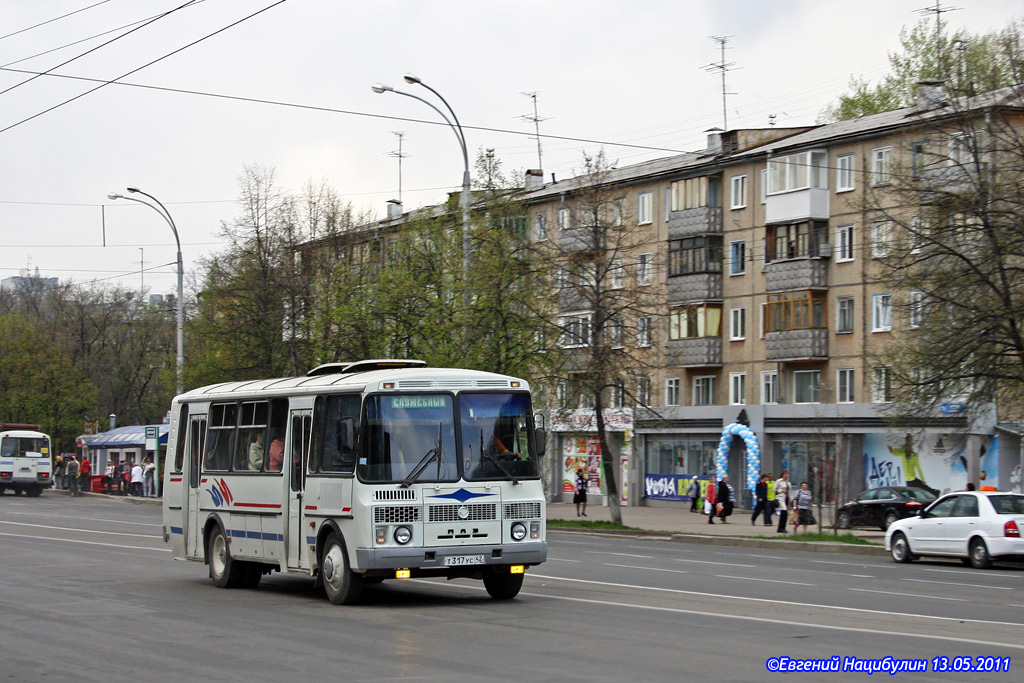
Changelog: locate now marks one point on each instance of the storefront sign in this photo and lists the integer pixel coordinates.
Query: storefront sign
(671, 486)
(617, 420)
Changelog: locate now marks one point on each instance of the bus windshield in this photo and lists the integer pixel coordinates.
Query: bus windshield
(406, 433)
(495, 436)
(21, 446)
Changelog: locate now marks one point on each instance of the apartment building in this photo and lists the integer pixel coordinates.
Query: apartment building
(764, 255)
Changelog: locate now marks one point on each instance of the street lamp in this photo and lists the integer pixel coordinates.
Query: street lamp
(456, 127)
(166, 215)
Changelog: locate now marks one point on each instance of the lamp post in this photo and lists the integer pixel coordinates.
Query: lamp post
(456, 127)
(166, 215)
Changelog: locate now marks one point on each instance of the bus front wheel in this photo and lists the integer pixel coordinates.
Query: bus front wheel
(502, 585)
(224, 571)
(342, 585)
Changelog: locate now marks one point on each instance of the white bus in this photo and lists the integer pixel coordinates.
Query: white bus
(26, 461)
(356, 473)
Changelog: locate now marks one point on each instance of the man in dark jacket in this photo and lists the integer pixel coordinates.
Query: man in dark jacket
(726, 496)
(760, 499)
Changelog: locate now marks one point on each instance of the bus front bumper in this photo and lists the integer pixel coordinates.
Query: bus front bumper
(442, 557)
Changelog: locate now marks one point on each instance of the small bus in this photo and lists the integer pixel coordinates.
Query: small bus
(356, 473)
(26, 461)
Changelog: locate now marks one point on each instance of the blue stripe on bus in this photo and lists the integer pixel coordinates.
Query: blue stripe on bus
(238, 532)
(311, 539)
(266, 535)
(43, 462)
(6, 462)
(176, 530)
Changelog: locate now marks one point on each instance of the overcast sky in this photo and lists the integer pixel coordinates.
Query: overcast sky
(619, 72)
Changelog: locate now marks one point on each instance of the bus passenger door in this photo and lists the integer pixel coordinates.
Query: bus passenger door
(196, 450)
(298, 454)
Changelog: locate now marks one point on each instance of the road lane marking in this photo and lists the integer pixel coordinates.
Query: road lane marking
(639, 557)
(747, 566)
(828, 573)
(650, 569)
(72, 540)
(957, 583)
(559, 559)
(90, 519)
(854, 564)
(750, 578)
(908, 595)
(782, 603)
(80, 531)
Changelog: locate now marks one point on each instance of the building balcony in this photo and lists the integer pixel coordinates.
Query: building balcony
(694, 287)
(572, 299)
(794, 345)
(799, 273)
(942, 183)
(580, 240)
(704, 220)
(700, 352)
(811, 203)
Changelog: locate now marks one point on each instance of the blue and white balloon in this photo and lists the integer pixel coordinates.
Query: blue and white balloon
(753, 453)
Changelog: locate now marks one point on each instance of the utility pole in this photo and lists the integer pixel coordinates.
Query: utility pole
(536, 119)
(399, 155)
(722, 67)
(142, 272)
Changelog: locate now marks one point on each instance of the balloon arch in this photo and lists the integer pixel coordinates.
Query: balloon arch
(753, 452)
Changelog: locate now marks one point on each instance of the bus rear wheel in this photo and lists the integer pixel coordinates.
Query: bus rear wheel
(342, 585)
(501, 584)
(224, 571)
(34, 491)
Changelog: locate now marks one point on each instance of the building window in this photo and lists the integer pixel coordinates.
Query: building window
(881, 385)
(643, 269)
(618, 397)
(561, 278)
(561, 394)
(737, 258)
(694, 193)
(672, 391)
(844, 243)
(799, 310)
(918, 158)
(540, 227)
(916, 235)
(764, 185)
(963, 148)
(738, 185)
(881, 312)
(844, 385)
(564, 218)
(615, 273)
(643, 331)
(807, 386)
(844, 173)
(615, 329)
(643, 391)
(844, 315)
(798, 172)
(881, 238)
(618, 217)
(738, 323)
(881, 166)
(645, 205)
(575, 330)
(694, 255)
(704, 390)
(916, 309)
(796, 240)
(691, 322)
(737, 388)
(769, 386)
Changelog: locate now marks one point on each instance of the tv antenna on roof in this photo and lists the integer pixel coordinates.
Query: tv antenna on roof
(536, 119)
(722, 67)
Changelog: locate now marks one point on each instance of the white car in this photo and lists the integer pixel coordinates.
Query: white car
(975, 526)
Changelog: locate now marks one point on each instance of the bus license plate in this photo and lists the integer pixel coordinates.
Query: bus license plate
(459, 560)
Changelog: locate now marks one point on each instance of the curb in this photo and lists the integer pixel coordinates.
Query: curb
(126, 499)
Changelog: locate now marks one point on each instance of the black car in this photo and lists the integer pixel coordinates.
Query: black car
(882, 506)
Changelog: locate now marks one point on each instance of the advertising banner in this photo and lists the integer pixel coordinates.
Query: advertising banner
(671, 486)
(581, 453)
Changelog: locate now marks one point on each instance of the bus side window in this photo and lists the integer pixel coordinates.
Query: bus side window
(275, 442)
(220, 438)
(329, 451)
(179, 444)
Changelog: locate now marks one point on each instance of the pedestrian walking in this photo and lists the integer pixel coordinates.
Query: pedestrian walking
(769, 509)
(580, 496)
(71, 474)
(802, 507)
(693, 491)
(711, 502)
(727, 497)
(760, 498)
(782, 500)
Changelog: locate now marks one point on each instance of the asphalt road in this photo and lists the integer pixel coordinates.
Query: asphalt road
(88, 592)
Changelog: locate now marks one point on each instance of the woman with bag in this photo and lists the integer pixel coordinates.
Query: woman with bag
(711, 502)
(802, 507)
(782, 500)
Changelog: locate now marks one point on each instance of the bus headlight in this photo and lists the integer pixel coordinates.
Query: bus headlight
(518, 531)
(402, 535)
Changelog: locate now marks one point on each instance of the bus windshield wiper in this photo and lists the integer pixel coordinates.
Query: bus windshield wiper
(497, 463)
(434, 452)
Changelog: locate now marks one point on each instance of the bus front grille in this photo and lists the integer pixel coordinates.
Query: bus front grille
(396, 514)
(522, 510)
(450, 513)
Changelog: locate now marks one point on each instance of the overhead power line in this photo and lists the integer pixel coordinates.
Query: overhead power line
(50, 21)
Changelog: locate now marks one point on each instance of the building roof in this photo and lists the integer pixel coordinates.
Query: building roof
(123, 437)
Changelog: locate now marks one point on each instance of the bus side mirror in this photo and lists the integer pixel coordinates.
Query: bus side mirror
(347, 433)
(540, 438)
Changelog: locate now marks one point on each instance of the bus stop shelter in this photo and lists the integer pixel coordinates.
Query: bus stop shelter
(125, 444)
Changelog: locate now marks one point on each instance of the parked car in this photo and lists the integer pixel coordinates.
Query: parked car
(976, 526)
(882, 506)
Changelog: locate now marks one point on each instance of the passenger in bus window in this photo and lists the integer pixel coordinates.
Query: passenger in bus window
(256, 453)
(276, 454)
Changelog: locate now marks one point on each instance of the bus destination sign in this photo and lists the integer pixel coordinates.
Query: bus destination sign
(406, 402)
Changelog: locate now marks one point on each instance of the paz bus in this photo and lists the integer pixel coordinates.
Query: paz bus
(356, 473)
(26, 461)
